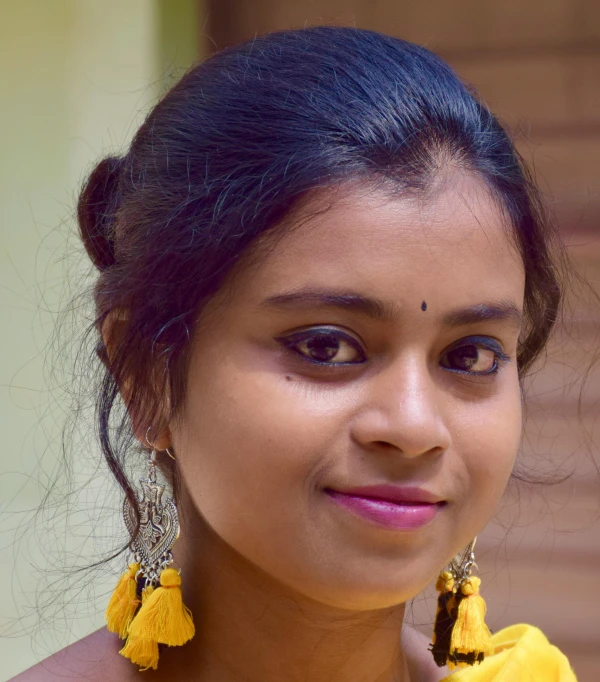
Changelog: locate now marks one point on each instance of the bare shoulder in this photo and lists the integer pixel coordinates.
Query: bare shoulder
(94, 658)
(422, 667)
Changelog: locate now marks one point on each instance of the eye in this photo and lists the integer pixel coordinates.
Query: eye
(325, 346)
(474, 355)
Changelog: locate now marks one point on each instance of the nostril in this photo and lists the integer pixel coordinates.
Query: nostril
(384, 444)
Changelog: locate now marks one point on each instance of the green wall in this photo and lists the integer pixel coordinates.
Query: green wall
(76, 79)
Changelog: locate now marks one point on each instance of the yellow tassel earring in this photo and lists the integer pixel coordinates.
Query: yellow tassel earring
(124, 602)
(444, 620)
(460, 636)
(146, 607)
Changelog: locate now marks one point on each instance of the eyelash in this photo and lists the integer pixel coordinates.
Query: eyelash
(292, 342)
(481, 343)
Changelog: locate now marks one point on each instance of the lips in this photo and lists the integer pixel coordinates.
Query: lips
(394, 507)
(393, 493)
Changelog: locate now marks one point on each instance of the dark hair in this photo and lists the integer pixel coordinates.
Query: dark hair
(229, 151)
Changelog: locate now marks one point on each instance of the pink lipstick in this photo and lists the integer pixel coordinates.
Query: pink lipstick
(399, 508)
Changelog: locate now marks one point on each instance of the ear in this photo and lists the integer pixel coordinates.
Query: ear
(155, 435)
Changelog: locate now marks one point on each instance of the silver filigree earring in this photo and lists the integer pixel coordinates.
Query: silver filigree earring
(146, 607)
(159, 526)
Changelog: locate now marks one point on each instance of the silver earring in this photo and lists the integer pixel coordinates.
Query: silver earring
(463, 563)
(158, 529)
(147, 606)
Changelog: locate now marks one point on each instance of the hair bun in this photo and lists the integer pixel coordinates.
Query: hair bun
(96, 211)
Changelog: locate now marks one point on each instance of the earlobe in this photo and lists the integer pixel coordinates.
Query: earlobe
(159, 442)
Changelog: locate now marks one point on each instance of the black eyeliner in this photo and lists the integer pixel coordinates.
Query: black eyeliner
(483, 342)
(290, 341)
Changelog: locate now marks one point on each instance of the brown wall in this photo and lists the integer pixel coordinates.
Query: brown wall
(537, 64)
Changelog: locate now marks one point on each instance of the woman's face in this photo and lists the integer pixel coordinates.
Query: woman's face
(373, 345)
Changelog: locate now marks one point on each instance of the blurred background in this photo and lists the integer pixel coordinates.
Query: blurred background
(77, 78)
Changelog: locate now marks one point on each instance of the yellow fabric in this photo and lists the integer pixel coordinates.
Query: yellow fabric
(521, 654)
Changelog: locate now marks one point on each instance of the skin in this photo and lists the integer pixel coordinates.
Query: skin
(284, 584)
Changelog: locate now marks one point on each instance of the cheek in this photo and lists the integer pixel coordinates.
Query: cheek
(487, 442)
(255, 443)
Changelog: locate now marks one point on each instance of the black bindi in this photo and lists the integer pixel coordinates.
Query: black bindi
(423, 306)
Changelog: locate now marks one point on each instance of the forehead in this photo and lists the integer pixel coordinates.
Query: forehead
(452, 248)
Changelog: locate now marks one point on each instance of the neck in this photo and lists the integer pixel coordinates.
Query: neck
(250, 627)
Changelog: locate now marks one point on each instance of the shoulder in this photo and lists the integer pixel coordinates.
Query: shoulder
(94, 658)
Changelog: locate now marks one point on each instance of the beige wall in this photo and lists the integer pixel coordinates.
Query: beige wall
(76, 79)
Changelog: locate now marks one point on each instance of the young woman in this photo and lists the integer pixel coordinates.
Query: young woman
(323, 271)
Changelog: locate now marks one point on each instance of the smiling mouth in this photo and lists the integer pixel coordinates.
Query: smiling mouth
(389, 506)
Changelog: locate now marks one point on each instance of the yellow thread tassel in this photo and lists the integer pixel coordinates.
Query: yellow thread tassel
(146, 592)
(471, 639)
(141, 651)
(445, 582)
(163, 616)
(444, 585)
(444, 621)
(123, 603)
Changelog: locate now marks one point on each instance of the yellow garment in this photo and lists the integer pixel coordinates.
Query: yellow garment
(521, 654)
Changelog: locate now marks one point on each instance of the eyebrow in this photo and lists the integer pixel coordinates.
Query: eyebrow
(312, 298)
(386, 312)
(484, 312)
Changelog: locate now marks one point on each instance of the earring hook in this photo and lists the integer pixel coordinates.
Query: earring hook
(153, 447)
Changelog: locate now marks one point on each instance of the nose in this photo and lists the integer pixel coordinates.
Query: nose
(404, 408)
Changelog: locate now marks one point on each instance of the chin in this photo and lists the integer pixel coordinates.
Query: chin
(359, 600)
(354, 593)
